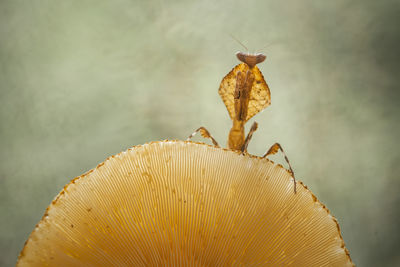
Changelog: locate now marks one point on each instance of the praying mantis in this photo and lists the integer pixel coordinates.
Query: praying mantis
(245, 93)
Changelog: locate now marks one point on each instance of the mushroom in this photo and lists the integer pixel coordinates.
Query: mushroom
(185, 203)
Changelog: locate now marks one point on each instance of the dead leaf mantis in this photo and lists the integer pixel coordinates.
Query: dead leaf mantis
(245, 93)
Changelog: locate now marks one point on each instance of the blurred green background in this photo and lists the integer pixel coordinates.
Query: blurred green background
(83, 80)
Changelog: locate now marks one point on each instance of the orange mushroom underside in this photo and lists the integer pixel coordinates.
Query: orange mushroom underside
(185, 203)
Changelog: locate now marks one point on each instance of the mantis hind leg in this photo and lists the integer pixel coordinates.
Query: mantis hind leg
(205, 133)
(273, 150)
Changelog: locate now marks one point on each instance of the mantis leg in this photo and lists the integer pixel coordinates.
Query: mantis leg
(273, 150)
(253, 128)
(205, 133)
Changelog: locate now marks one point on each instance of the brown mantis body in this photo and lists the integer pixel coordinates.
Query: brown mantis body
(241, 96)
(244, 93)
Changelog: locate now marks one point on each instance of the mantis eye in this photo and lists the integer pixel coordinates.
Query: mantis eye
(260, 58)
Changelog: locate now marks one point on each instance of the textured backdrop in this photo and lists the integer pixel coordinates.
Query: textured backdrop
(82, 80)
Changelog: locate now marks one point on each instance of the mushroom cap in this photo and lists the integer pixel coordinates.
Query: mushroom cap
(185, 203)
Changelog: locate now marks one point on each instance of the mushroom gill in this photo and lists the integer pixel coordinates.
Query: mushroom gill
(184, 203)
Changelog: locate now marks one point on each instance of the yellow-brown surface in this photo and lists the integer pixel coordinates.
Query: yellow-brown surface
(184, 203)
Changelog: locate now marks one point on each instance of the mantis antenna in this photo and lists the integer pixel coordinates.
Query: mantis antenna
(260, 50)
(234, 38)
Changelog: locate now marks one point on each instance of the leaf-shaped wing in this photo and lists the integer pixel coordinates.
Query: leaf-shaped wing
(227, 88)
(260, 96)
